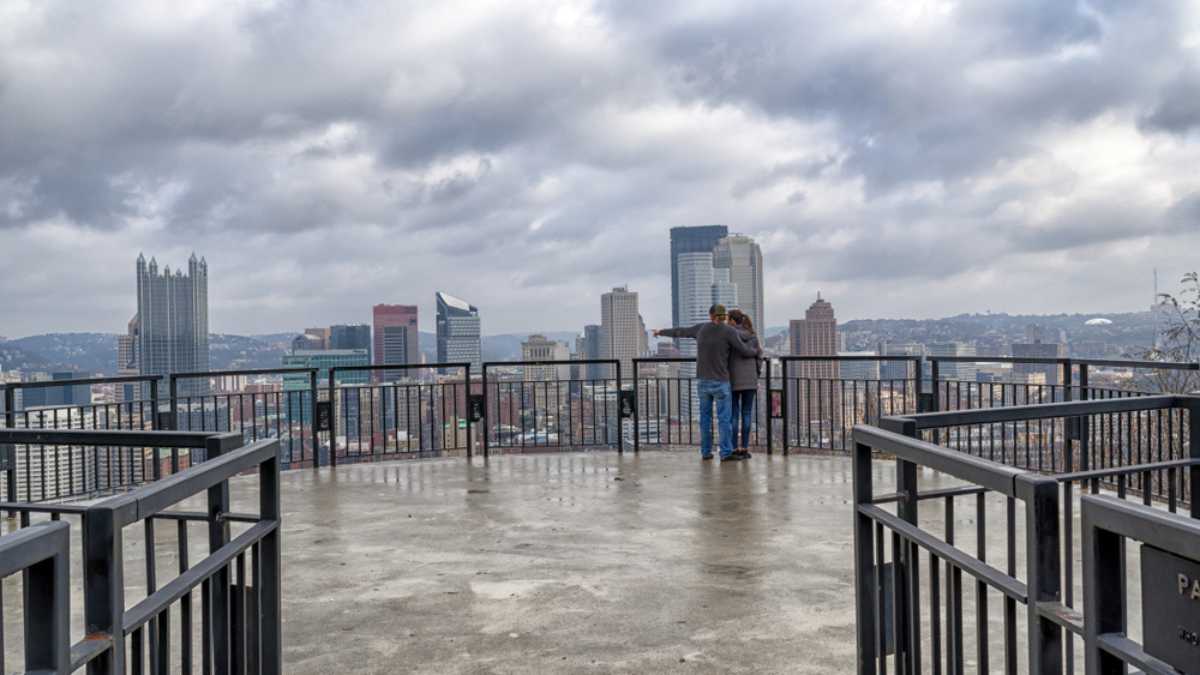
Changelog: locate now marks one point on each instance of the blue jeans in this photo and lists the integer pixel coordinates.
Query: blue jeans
(715, 391)
(743, 410)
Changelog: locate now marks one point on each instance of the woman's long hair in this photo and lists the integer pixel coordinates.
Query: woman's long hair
(742, 320)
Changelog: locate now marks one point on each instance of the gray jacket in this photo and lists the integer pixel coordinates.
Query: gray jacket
(743, 371)
(717, 343)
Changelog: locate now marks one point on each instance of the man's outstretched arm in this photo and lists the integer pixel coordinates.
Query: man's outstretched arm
(682, 332)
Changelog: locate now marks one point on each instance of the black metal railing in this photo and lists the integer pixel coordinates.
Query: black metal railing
(399, 411)
(41, 554)
(896, 609)
(281, 404)
(667, 411)
(131, 410)
(42, 465)
(822, 405)
(552, 405)
(431, 410)
(238, 579)
(1108, 524)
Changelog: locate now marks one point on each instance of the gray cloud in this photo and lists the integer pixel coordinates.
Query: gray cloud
(327, 156)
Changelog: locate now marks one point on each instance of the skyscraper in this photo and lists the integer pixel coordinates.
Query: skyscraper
(743, 258)
(458, 332)
(816, 335)
(950, 370)
(173, 321)
(540, 348)
(354, 336)
(685, 240)
(127, 362)
(723, 290)
(621, 337)
(396, 337)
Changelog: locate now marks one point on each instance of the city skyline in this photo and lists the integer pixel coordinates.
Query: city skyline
(862, 166)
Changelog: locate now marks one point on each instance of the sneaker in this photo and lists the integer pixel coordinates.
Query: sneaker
(706, 457)
(743, 454)
(734, 457)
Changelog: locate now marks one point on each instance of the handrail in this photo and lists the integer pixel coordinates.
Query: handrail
(117, 379)
(242, 373)
(990, 475)
(109, 437)
(151, 499)
(1038, 411)
(400, 366)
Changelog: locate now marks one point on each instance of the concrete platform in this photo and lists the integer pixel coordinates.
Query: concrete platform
(576, 563)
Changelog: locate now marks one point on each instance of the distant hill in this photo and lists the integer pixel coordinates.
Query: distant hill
(96, 353)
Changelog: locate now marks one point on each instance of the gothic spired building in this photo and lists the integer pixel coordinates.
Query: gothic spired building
(172, 321)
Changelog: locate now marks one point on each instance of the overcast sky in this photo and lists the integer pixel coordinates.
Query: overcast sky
(905, 158)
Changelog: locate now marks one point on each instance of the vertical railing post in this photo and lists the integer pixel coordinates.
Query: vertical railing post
(47, 606)
(783, 362)
(765, 406)
(1043, 571)
(467, 403)
(487, 420)
(621, 420)
(906, 595)
(637, 442)
(314, 393)
(10, 449)
(154, 421)
(219, 589)
(173, 393)
(865, 589)
(1104, 610)
(333, 418)
(104, 585)
(271, 607)
(1193, 408)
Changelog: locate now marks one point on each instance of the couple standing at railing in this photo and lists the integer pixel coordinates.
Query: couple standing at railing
(727, 368)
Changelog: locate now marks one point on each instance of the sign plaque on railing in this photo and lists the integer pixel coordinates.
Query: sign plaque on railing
(324, 416)
(628, 401)
(776, 399)
(476, 403)
(1171, 608)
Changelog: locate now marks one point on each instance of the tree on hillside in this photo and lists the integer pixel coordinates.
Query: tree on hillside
(1179, 337)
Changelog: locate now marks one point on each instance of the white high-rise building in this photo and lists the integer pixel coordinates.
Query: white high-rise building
(724, 291)
(742, 257)
(621, 334)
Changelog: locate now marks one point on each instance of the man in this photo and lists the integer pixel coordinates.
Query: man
(716, 341)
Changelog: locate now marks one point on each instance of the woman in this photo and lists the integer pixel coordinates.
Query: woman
(743, 376)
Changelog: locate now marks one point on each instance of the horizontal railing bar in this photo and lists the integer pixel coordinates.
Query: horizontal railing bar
(1078, 476)
(1158, 528)
(961, 491)
(106, 437)
(1132, 654)
(45, 384)
(1022, 413)
(990, 475)
(88, 649)
(1062, 615)
(581, 362)
(73, 509)
(852, 357)
(161, 599)
(202, 516)
(31, 545)
(1032, 360)
(236, 373)
(157, 496)
(1148, 365)
(400, 366)
(950, 554)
